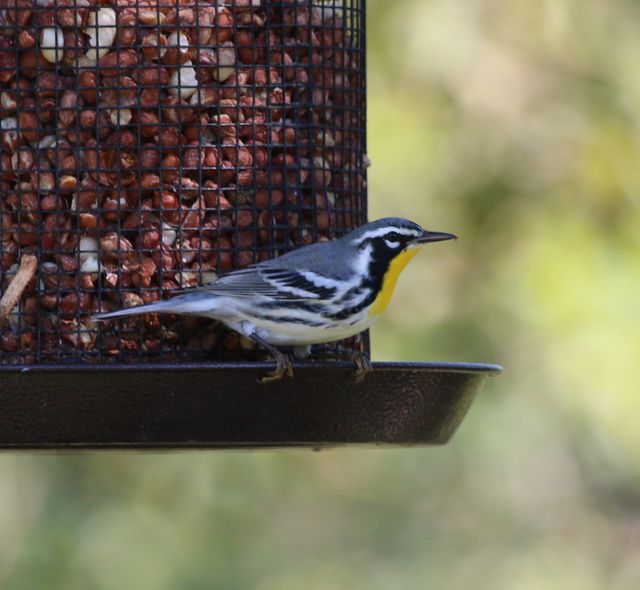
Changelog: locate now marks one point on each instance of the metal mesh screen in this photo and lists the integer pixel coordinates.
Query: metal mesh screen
(152, 145)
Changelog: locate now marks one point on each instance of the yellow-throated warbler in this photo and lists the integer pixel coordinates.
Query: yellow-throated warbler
(319, 293)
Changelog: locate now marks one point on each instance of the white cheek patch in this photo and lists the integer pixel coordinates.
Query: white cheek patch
(361, 264)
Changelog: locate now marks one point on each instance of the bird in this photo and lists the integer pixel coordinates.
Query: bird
(316, 294)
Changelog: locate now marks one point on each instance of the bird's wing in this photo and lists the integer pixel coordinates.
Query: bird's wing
(276, 283)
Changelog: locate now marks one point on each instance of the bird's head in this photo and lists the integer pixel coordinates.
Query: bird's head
(386, 246)
(391, 237)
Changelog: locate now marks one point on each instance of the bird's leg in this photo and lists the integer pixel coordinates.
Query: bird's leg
(283, 363)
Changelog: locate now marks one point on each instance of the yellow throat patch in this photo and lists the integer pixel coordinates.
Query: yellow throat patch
(390, 279)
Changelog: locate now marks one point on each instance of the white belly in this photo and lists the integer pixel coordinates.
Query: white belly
(290, 334)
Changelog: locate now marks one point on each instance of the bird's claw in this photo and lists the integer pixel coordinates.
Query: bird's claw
(361, 360)
(284, 367)
(363, 366)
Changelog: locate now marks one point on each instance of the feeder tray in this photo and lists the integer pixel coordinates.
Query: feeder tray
(151, 145)
(223, 406)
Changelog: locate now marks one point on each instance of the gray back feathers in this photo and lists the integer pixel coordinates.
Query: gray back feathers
(335, 258)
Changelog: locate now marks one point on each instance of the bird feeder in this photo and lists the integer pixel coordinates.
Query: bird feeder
(149, 146)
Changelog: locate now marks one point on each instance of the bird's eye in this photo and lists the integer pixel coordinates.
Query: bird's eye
(392, 240)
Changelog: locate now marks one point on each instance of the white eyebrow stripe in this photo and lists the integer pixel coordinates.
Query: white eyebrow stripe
(376, 233)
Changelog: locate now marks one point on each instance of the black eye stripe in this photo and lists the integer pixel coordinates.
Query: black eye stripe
(392, 237)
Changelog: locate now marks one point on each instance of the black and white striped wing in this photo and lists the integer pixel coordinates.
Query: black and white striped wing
(274, 283)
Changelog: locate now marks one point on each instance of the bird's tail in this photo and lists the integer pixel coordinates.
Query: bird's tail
(196, 303)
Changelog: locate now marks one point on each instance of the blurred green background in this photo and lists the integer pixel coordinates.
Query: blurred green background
(515, 124)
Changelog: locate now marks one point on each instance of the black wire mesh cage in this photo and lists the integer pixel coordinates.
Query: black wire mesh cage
(152, 145)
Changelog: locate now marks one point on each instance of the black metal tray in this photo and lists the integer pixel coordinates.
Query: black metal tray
(223, 406)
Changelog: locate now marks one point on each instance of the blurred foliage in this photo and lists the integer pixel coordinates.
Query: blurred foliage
(516, 125)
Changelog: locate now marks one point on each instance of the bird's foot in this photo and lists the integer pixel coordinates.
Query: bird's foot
(363, 366)
(284, 366)
(361, 360)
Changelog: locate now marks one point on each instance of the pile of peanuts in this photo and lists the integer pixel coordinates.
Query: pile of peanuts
(150, 145)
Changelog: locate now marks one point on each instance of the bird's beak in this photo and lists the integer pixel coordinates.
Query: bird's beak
(434, 236)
